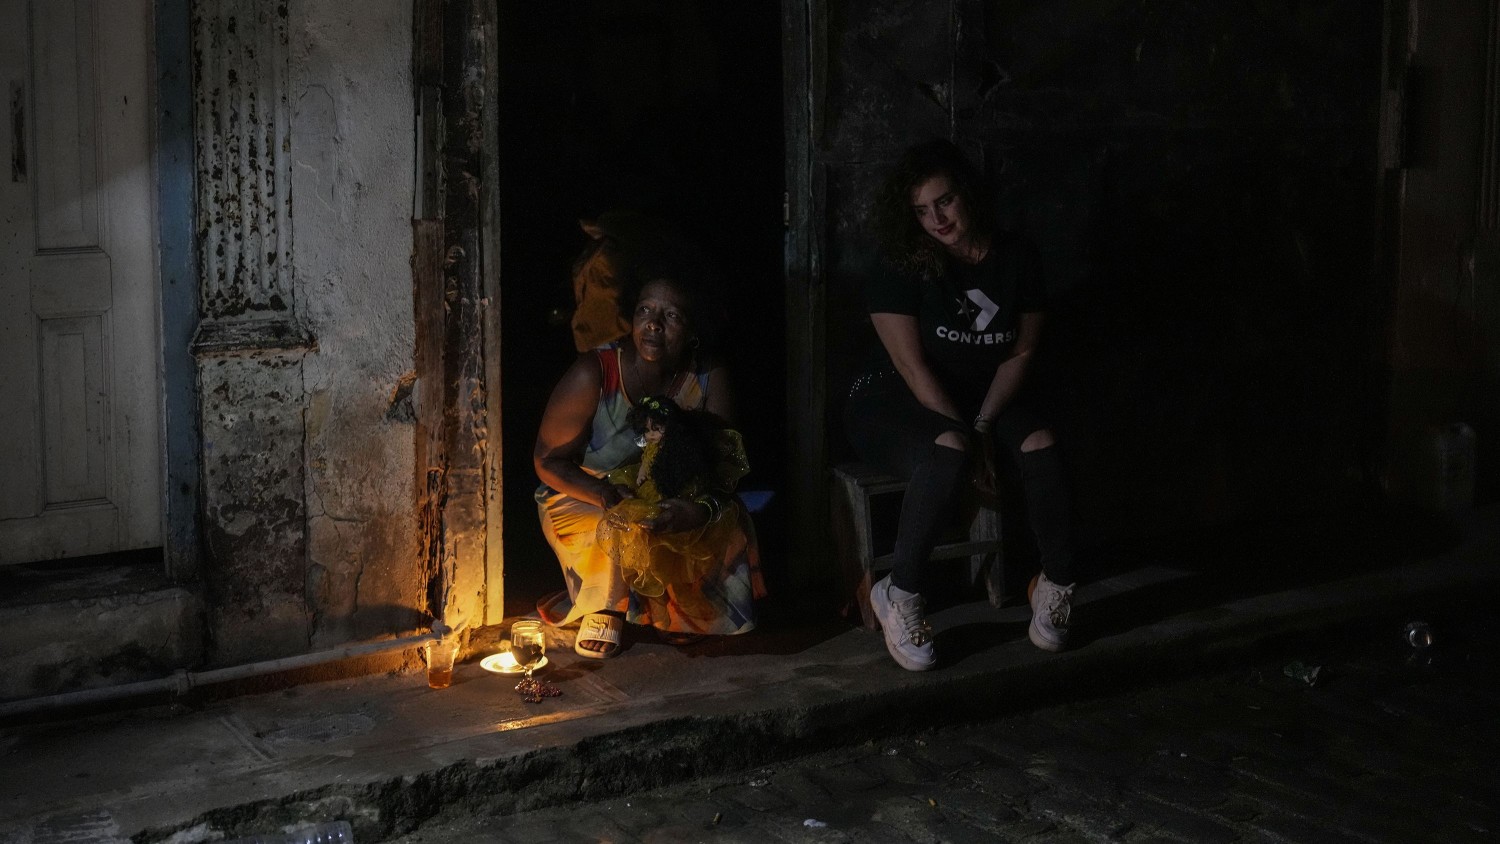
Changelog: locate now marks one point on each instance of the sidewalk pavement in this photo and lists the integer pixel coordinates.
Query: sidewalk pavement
(385, 752)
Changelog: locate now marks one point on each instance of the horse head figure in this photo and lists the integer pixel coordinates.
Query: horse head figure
(621, 244)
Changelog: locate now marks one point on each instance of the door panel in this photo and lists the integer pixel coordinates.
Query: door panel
(67, 206)
(79, 443)
(72, 357)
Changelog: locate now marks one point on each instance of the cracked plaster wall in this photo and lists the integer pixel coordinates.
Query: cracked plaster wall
(352, 185)
(305, 133)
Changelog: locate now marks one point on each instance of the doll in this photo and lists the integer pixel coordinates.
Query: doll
(688, 454)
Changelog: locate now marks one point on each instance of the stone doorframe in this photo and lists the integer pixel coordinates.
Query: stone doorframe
(804, 36)
(178, 257)
(456, 271)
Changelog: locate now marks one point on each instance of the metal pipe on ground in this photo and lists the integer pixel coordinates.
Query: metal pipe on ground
(183, 681)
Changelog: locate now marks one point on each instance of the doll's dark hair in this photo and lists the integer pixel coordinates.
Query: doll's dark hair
(904, 243)
(690, 446)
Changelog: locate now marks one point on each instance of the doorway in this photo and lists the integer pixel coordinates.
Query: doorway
(673, 108)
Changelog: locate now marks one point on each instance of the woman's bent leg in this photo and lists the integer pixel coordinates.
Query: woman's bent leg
(719, 601)
(892, 431)
(593, 581)
(1049, 511)
(925, 509)
(1049, 502)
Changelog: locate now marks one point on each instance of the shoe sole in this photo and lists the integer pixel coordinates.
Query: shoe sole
(882, 607)
(1040, 640)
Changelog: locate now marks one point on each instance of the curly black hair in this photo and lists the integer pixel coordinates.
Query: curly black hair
(904, 243)
(690, 446)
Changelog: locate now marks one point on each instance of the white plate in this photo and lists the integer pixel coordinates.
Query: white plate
(493, 664)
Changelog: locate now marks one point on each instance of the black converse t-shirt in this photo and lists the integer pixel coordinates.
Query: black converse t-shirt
(969, 315)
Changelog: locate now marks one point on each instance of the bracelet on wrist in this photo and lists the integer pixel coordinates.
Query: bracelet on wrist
(982, 423)
(710, 503)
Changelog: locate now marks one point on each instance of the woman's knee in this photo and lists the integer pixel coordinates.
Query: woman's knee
(953, 440)
(1040, 461)
(1038, 440)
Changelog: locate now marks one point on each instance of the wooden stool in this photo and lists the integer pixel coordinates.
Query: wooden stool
(854, 484)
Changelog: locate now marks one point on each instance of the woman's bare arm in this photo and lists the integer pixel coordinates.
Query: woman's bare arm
(566, 426)
(898, 333)
(1012, 371)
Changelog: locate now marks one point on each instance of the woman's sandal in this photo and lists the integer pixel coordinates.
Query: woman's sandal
(553, 608)
(598, 627)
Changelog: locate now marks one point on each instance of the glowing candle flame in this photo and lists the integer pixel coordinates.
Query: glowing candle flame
(503, 662)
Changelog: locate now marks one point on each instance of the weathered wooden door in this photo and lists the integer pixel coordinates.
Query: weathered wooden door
(79, 419)
(1440, 156)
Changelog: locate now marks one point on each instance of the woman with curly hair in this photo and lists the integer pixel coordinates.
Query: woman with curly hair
(958, 307)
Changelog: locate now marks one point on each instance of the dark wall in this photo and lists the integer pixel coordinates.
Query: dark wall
(1201, 179)
(672, 107)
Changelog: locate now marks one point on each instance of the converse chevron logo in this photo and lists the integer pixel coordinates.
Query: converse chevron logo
(981, 307)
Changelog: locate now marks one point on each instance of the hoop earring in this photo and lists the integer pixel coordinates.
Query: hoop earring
(693, 344)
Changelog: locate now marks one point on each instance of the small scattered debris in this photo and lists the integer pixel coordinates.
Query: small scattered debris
(757, 783)
(1419, 635)
(891, 751)
(533, 690)
(932, 802)
(1303, 673)
(718, 816)
(814, 823)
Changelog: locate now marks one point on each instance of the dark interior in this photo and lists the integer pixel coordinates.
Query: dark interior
(673, 110)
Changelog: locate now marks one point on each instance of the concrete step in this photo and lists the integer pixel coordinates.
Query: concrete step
(386, 752)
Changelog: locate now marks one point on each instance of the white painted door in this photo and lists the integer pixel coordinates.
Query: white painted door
(79, 384)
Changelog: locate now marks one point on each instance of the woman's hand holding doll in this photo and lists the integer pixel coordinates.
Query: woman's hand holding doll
(684, 462)
(676, 515)
(612, 494)
(673, 529)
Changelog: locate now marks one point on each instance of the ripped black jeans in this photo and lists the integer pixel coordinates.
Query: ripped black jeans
(892, 431)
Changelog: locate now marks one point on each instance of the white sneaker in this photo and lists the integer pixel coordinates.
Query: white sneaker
(907, 635)
(1050, 607)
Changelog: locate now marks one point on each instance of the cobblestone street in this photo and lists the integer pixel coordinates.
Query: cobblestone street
(1386, 743)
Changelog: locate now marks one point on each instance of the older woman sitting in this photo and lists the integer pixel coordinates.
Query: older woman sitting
(586, 435)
